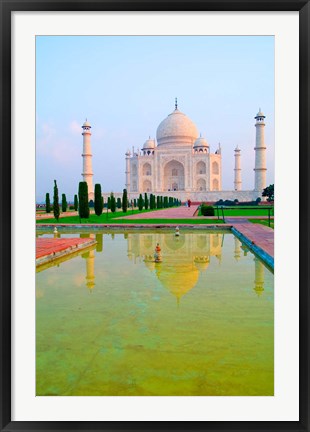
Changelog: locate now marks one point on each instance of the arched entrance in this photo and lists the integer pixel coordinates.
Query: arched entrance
(174, 178)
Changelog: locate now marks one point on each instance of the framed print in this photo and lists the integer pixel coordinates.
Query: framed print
(131, 318)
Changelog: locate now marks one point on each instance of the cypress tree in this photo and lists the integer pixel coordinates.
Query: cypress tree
(135, 202)
(113, 203)
(56, 202)
(109, 203)
(119, 203)
(125, 200)
(63, 203)
(161, 202)
(83, 200)
(151, 202)
(98, 200)
(76, 202)
(47, 203)
(140, 202)
(165, 202)
(146, 201)
(158, 202)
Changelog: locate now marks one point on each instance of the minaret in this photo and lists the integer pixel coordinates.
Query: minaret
(238, 182)
(260, 153)
(87, 157)
(127, 172)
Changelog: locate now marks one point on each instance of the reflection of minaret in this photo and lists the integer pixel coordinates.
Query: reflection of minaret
(90, 266)
(237, 249)
(245, 249)
(87, 157)
(259, 276)
(90, 270)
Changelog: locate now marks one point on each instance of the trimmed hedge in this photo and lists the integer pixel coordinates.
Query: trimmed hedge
(207, 210)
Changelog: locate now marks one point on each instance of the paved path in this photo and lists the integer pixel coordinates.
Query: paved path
(181, 212)
(48, 249)
(259, 235)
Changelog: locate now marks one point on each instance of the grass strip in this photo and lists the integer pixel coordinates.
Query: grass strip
(262, 222)
(112, 220)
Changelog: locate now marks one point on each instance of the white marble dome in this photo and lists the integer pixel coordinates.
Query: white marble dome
(201, 142)
(177, 128)
(86, 124)
(149, 144)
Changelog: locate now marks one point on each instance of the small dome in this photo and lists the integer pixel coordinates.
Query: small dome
(86, 124)
(149, 144)
(201, 142)
(177, 127)
(260, 114)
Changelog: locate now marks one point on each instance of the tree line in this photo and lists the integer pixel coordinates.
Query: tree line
(82, 205)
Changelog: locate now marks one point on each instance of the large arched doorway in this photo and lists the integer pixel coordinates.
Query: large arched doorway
(201, 185)
(147, 186)
(174, 178)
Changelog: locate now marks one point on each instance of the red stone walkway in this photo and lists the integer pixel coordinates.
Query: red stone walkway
(259, 235)
(48, 249)
(181, 212)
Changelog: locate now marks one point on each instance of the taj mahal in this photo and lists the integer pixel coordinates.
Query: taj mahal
(179, 163)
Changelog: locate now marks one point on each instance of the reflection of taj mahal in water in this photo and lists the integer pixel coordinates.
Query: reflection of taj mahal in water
(184, 258)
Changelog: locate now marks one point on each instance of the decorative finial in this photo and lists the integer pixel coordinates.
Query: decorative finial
(176, 103)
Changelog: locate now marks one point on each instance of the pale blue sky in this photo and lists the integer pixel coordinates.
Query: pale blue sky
(126, 85)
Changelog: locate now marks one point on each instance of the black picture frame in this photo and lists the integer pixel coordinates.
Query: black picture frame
(6, 8)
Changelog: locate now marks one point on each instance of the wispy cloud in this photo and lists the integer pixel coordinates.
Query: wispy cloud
(75, 127)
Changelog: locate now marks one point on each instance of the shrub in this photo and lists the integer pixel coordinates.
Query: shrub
(140, 202)
(146, 201)
(64, 204)
(118, 203)
(124, 201)
(83, 200)
(71, 207)
(47, 203)
(56, 202)
(98, 200)
(113, 202)
(207, 210)
(76, 203)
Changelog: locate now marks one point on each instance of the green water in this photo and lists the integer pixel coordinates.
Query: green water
(198, 323)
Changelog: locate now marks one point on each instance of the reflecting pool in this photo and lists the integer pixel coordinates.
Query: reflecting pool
(111, 321)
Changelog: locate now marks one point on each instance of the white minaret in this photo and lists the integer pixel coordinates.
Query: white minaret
(87, 157)
(260, 153)
(237, 182)
(127, 172)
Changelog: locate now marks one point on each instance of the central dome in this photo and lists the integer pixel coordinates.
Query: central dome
(177, 128)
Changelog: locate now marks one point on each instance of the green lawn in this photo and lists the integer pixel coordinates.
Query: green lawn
(242, 211)
(262, 222)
